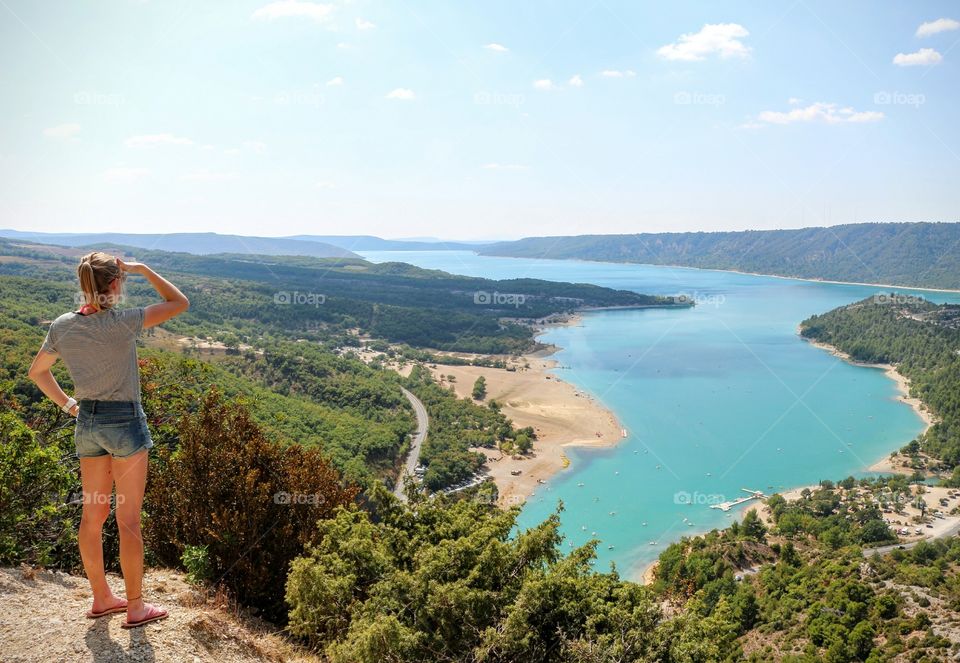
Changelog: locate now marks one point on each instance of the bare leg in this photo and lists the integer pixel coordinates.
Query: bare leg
(130, 475)
(96, 478)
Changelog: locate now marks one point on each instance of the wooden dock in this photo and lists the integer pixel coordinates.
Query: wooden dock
(751, 495)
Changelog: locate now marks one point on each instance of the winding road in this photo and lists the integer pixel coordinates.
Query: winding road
(413, 458)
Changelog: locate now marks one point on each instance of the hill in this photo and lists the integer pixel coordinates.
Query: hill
(195, 243)
(907, 254)
(372, 243)
(306, 297)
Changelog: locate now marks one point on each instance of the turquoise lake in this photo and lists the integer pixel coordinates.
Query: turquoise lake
(716, 398)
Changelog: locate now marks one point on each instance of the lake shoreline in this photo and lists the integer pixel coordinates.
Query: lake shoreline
(531, 394)
(884, 464)
(735, 271)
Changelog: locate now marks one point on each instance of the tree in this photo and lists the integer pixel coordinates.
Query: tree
(523, 443)
(480, 389)
(753, 527)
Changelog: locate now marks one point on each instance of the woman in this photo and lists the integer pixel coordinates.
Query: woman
(98, 345)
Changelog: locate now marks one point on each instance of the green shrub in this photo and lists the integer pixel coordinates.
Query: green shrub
(36, 524)
(251, 504)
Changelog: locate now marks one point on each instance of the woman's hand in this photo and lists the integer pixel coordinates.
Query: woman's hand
(74, 411)
(131, 267)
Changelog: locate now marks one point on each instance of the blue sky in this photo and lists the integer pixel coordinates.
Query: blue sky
(475, 120)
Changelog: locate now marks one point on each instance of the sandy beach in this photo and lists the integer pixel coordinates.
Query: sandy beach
(560, 414)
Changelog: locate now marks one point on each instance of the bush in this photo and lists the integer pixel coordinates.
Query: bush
(250, 503)
(36, 525)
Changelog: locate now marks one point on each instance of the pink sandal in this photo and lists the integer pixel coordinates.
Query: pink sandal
(154, 615)
(109, 611)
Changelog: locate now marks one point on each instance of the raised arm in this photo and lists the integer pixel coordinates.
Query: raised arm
(175, 301)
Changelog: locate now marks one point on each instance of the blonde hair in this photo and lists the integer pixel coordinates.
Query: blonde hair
(96, 272)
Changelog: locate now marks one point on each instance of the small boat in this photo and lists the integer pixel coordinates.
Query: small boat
(644, 523)
(609, 547)
(613, 513)
(580, 485)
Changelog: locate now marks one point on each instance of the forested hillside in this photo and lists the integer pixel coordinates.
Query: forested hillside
(922, 340)
(908, 254)
(301, 297)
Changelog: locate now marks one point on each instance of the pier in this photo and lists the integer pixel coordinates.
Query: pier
(751, 495)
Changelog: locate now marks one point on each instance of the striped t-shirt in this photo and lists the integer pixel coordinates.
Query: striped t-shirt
(100, 351)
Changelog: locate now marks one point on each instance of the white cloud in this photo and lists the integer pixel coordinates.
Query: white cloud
(344, 45)
(124, 175)
(336, 80)
(818, 112)
(940, 25)
(325, 184)
(503, 166)
(293, 9)
(575, 81)
(499, 48)
(401, 93)
(793, 101)
(544, 84)
(721, 38)
(363, 24)
(204, 175)
(615, 73)
(255, 146)
(153, 140)
(923, 57)
(232, 151)
(69, 130)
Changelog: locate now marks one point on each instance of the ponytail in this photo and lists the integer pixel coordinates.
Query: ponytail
(96, 272)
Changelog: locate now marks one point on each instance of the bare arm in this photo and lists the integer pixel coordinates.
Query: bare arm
(40, 373)
(175, 301)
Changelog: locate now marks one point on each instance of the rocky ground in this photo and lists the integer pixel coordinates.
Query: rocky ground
(42, 619)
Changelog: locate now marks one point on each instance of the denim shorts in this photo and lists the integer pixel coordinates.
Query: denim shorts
(118, 428)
